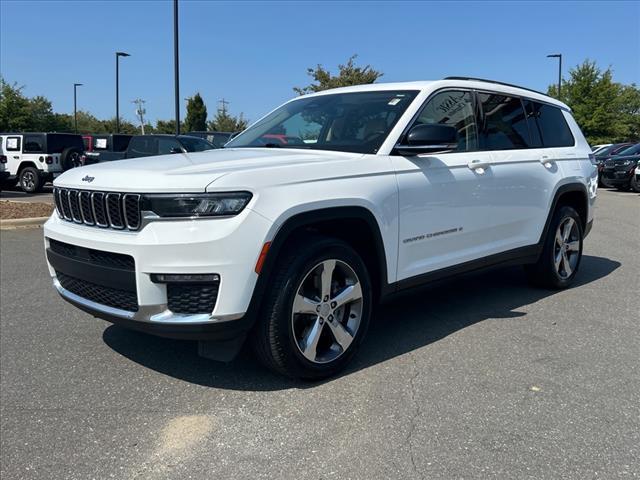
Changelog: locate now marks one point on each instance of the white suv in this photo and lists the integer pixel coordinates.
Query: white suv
(292, 232)
(32, 159)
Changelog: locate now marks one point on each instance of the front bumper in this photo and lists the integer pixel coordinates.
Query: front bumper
(228, 247)
(618, 177)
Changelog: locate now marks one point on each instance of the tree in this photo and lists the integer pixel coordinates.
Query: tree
(14, 108)
(168, 126)
(225, 122)
(605, 110)
(348, 74)
(196, 120)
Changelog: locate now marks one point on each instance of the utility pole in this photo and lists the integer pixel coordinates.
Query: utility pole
(75, 106)
(223, 106)
(140, 112)
(176, 65)
(118, 55)
(559, 57)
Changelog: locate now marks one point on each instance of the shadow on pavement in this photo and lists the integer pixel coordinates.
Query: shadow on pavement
(411, 321)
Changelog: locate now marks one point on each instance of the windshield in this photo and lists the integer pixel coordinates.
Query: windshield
(350, 122)
(192, 144)
(632, 150)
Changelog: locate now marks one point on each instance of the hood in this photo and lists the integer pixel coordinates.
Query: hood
(186, 172)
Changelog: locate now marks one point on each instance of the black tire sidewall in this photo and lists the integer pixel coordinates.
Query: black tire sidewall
(548, 253)
(65, 158)
(308, 256)
(38, 180)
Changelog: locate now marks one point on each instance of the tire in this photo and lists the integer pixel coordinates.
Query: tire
(70, 158)
(30, 180)
(605, 183)
(547, 272)
(624, 187)
(635, 184)
(283, 340)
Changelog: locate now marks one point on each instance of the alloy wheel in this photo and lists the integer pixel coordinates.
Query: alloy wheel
(28, 181)
(327, 311)
(566, 248)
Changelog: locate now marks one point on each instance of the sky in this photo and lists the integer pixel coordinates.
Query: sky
(252, 54)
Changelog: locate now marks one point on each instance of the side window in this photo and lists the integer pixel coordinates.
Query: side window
(143, 145)
(553, 126)
(166, 145)
(33, 144)
(455, 108)
(13, 144)
(504, 124)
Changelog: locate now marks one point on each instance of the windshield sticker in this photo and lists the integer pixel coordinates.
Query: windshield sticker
(101, 143)
(395, 101)
(12, 143)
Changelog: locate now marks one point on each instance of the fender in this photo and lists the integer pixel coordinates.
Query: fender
(566, 188)
(309, 218)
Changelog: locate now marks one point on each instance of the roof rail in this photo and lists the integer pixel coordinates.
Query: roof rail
(498, 83)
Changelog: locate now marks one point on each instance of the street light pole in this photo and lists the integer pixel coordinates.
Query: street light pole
(176, 67)
(559, 57)
(118, 55)
(75, 106)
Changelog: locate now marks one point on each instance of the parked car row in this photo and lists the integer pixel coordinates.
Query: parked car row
(33, 159)
(619, 170)
(604, 152)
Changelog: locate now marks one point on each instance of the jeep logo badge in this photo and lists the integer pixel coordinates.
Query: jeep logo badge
(89, 179)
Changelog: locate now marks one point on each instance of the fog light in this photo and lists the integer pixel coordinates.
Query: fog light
(185, 277)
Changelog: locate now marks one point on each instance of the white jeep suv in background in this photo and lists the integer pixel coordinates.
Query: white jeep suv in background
(292, 233)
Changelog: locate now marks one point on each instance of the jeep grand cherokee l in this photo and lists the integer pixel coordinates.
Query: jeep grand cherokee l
(379, 188)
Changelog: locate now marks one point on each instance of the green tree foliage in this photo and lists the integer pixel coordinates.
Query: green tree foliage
(605, 110)
(348, 74)
(225, 122)
(15, 113)
(168, 126)
(196, 120)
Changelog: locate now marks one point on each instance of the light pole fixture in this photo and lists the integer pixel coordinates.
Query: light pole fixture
(176, 66)
(75, 106)
(559, 57)
(118, 55)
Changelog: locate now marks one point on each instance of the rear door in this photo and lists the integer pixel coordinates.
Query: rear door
(524, 172)
(33, 149)
(13, 152)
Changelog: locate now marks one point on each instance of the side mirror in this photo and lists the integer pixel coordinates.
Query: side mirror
(429, 138)
(176, 150)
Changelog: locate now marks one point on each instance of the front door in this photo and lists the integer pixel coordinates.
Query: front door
(445, 216)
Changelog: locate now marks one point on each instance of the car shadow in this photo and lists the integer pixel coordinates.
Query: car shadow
(411, 321)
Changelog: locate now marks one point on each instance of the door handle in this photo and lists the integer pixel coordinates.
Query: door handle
(479, 166)
(546, 161)
(16, 158)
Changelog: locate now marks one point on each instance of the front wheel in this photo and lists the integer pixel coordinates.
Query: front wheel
(317, 310)
(635, 184)
(562, 251)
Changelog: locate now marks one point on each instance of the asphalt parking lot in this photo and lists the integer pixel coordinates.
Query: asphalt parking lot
(17, 195)
(479, 377)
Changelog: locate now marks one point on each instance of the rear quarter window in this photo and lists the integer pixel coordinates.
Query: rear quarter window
(552, 125)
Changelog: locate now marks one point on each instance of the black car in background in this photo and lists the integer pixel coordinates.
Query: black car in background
(98, 144)
(217, 138)
(619, 170)
(605, 153)
(156, 144)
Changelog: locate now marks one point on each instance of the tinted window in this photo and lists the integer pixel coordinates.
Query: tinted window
(454, 108)
(552, 126)
(120, 142)
(57, 142)
(534, 128)
(143, 145)
(191, 144)
(504, 124)
(168, 145)
(633, 150)
(33, 144)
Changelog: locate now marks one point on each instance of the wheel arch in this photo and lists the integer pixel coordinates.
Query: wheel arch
(571, 194)
(24, 164)
(364, 234)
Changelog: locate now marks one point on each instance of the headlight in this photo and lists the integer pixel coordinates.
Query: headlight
(626, 162)
(196, 204)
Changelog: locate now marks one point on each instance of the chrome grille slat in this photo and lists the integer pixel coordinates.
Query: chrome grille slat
(120, 211)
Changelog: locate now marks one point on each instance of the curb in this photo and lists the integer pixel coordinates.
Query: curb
(14, 223)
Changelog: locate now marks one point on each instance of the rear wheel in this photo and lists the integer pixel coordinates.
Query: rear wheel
(560, 259)
(317, 310)
(30, 180)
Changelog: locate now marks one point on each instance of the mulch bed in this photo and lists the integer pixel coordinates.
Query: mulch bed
(10, 210)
